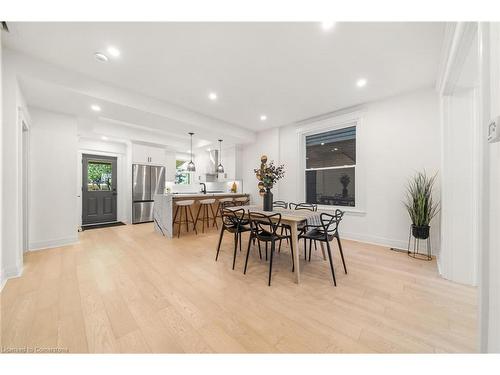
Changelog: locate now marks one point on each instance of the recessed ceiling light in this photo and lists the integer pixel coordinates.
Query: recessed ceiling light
(104, 138)
(263, 118)
(113, 51)
(361, 82)
(101, 57)
(212, 96)
(327, 25)
(95, 108)
(335, 149)
(322, 143)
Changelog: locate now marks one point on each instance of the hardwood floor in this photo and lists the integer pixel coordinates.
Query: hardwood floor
(127, 289)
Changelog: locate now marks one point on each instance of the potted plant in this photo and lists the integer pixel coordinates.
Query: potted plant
(420, 205)
(268, 174)
(345, 180)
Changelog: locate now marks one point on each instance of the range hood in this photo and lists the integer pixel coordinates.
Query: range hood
(213, 162)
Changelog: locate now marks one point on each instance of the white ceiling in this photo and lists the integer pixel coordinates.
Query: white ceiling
(289, 71)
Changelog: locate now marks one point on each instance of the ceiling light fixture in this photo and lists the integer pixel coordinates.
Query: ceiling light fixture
(327, 25)
(104, 138)
(191, 167)
(220, 168)
(212, 96)
(113, 51)
(95, 108)
(101, 57)
(361, 82)
(263, 118)
(322, 143)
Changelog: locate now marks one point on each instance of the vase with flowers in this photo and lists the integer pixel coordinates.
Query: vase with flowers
(268, 174)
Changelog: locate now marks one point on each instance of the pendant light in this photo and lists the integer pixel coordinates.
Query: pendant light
(220, 168)
(191, 167)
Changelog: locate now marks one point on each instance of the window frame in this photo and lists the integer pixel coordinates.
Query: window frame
(183, 171)
(327, 124)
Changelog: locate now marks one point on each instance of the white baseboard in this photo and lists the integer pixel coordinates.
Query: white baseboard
(41, 245)
(9, 273)
(375, 240)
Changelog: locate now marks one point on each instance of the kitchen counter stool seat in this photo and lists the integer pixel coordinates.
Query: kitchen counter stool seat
(184, 205)
(241, 201)
(205, 215)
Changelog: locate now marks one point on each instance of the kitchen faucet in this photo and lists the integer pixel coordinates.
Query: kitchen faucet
(204, 190)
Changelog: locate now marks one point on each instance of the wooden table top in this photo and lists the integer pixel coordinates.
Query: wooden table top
(287, 215)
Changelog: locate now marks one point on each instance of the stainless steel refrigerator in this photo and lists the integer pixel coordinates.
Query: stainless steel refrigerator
(147, 180)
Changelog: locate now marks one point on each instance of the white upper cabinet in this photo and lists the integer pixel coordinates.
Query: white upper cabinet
(142, 154)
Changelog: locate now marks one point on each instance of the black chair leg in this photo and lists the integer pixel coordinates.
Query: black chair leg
(260, 252)
(240, 240)
(310, 249)
(281, 234)
(271, 262)
(293, 261)
(305, 249)
(220, 241)
(248, 252)
(331, 262)
(266, 251)
(235, 248)
(341, 253)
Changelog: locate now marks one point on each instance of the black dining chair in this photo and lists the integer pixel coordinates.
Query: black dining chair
(308, 207)
(280, 204)
(264, 228)
(325, 232)
(303, 206)
(233, 221)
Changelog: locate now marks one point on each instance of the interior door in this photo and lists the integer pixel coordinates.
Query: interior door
(98, 189)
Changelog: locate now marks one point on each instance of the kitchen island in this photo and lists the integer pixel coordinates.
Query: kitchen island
(164, 208)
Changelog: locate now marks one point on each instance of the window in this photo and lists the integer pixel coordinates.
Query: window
(99, 174)
(182, 176)
(330, 167)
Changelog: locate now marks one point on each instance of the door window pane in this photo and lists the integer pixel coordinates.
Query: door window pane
(331, 186)
(99, 176)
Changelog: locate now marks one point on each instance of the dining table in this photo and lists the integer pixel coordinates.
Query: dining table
(294, 219)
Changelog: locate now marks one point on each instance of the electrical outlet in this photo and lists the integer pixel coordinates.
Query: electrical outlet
(494, 130)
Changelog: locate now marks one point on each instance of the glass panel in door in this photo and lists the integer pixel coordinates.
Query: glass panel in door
(99, 176)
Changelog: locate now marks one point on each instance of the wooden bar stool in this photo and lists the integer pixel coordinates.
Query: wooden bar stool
(186, 205)
(241, 201)
(205, 216)
(221, 204)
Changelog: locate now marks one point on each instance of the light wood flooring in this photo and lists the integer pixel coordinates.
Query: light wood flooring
(128, 289)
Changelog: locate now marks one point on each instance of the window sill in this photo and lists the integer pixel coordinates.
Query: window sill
(348, 210)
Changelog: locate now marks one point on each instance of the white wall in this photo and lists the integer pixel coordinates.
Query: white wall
(53, 157)
(396, 137)
(2, 277)
(493, 302)
(267, 143)
(13, 104)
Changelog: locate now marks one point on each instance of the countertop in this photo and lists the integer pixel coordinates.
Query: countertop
(201, 195)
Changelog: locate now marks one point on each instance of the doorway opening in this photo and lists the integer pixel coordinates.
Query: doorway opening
(99, 189)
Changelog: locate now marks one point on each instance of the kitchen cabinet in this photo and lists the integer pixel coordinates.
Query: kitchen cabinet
(143, 154)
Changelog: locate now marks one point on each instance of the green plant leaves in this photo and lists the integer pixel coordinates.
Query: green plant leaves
(419, 203)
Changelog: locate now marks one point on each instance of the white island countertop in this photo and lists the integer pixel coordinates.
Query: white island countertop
(201, 195)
